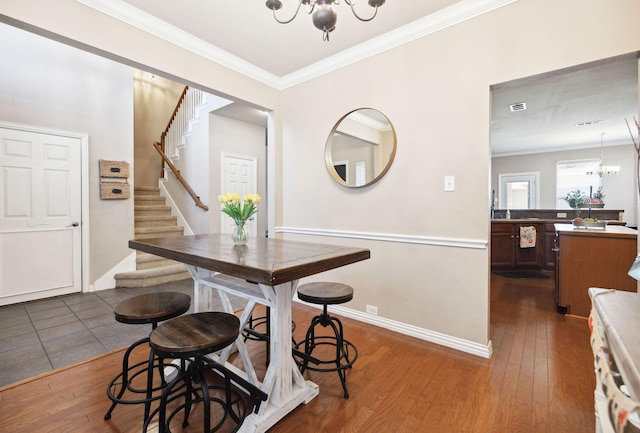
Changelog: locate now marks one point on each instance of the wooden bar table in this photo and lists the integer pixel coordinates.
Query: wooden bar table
(265, 271)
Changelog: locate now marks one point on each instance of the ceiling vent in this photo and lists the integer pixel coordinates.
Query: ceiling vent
(519, 106)
(590, 122)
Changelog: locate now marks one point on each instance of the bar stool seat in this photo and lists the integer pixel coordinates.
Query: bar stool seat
(150, 308)
(326, 293)
(191, 338)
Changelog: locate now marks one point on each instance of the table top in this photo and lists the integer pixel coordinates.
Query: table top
(263, 260)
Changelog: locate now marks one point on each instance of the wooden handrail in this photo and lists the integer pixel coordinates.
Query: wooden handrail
(175, 112)
(160, 147)
(181, 179)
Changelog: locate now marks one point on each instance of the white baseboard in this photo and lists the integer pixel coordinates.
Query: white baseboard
(467, 346)
(174, 207)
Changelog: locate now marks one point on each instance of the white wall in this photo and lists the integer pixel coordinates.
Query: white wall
(619, 189)
(48, 84)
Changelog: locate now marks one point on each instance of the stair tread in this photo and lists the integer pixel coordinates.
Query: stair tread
(158, 229)
(155, 217)
(150, 206)
(150, 258)
(152, 272)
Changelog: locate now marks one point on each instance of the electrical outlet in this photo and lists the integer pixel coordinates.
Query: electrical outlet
(561, 215)
(372, 310)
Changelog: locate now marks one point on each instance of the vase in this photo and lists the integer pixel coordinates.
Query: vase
(239, 235)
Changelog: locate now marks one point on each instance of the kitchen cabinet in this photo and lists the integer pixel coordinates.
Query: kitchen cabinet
(593, 258)
(550, 245)
(505, 246)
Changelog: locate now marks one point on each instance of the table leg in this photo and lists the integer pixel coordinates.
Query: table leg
(283, 382)
(202, 295)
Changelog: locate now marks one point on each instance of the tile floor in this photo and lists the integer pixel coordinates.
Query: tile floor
(42, 335)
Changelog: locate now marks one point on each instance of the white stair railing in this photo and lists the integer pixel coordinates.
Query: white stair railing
(185, 113)
(174, 136)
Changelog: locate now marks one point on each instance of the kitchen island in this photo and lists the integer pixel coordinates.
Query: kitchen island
(592, 258)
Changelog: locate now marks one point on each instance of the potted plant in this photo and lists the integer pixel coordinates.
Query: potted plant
(240, 210)
(574, 199)
(598, 197)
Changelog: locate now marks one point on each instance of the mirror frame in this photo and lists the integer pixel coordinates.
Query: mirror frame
(328, 147)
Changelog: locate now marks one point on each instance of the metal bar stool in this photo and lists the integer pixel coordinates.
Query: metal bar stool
(326, 293)
(148, 308)
(191, 338)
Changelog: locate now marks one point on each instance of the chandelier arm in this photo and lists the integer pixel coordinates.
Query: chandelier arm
(292, 18)
(351, 3)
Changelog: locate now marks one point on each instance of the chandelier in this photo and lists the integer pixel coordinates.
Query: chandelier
(602, 169)
(323, 12)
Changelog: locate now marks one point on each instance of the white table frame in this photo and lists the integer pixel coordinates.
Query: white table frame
(283, 383)
(277, 265)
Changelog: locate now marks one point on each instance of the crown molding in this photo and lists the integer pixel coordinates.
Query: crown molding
(550, 149)
(148, 23)
(455, 14)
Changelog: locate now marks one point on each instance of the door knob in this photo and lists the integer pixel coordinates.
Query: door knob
(75, 224)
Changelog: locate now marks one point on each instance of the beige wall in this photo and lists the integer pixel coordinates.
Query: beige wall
(154, 101)
(86, 94)
(436, 91)
(619, 189)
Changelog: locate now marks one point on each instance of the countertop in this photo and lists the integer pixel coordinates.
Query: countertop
(620, 315)
(611, 230)
(528, 220)
(546, 220)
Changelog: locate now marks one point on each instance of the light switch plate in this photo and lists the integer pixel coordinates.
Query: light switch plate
(449, 183)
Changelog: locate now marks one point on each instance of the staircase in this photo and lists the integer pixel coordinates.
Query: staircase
(152, 220)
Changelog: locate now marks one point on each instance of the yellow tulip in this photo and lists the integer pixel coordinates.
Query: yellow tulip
(239, 210)
(253, 198)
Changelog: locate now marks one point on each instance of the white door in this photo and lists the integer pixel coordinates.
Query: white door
(239, 175)
(518, 191)
(40, 210)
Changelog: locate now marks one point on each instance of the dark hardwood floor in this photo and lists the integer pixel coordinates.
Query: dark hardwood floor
(540, 379)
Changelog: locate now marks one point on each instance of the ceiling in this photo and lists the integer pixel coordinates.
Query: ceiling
(566, 109)
(243, 35)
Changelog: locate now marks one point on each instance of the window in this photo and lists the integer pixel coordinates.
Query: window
(360, 173)
(572, 175)
(341, 168)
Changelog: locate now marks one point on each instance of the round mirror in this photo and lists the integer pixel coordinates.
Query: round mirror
(360, 148)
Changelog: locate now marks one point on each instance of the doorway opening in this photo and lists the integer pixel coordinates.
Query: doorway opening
(518, 191)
